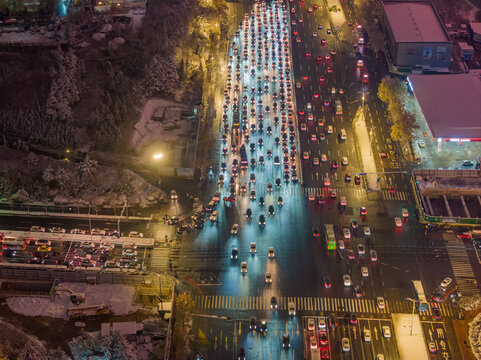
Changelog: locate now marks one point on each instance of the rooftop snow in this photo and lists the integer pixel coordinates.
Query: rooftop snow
(414, 22)
(476, 27)
(451, 104)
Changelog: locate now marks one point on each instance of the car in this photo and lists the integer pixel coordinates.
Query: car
(319, 26)
(253, 248)
(234, 254)
(347, 280)
(313, 342)
(330, 129)
(346, 346)
(373, 254)
(311, 324)
(270, 253)
(243, 188)
(253, 323)
(343, 201)
(43, 242)
(322, 200)
(261, 201)
(44, 249)
(274, 305)
(87, 245)
(341, 245)
(313, 137)
(57, 229)
(280, 201)
(383, 155)
(358, 292)
(243, 268)
(364, 271)
(446, 282)
(392, 190)
(37, 228)
(323, 341)
(323, 157)
(268, 277)
(333, 321)
(352, 319)
(322, 323)
(333, 194)
(350, 254)
(173, 194)
(305, 155)
(344, 161)
(315, 232)
(327, 182)
(136, 234)
(263, 327)
(327, 282)
(405, 213)
(366, 334)
(277, 161)
(367, 231)
(213, 216)
(107, 247)
(347, 233)
(311, 197)
(278, 182)
(398, 222)
(357, 180)
(129, 253)
(234, 229)
(386, 331)
(303, 127)
(354, 223)
(286, 344)
(291, 307)
(436, 313)
(253, 195)
(360, 249)
(78, 231)
(270, 211)
(262, 220)
(347, 178)
(432, 347)
(380, 302)
(248, 214)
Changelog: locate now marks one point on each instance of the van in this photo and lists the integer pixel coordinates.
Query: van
(12, 243)
(343, 134)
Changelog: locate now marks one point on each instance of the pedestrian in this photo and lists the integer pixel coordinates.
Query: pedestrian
(166, 239)
(170, 264)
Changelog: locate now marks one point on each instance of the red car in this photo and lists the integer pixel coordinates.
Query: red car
(391, 189)
(322, 80)
(315, 95)
(363, 211)
(308, 54)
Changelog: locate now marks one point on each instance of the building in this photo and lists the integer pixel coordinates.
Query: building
(475, 31)
(466, 50)
(416, 37)
(450, 104)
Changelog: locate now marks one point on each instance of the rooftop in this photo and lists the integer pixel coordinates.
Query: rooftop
(476, 27)
(414, 22)
(450, 103)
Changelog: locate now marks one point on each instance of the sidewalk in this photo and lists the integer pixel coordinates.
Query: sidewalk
(461, 328)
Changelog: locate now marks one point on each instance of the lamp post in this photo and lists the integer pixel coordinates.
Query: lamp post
(157, 157)
(412, 317)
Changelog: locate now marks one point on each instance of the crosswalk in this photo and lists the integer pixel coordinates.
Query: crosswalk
(355, 192)
(369, 306)
(461, 265)
(159, 258)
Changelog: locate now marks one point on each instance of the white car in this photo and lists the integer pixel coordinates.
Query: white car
(322, 323)
(253, 248)
(347, 233)
(97, 231)
(380, 302)
(421, 143)
(343, 201)
(360, 249)
(344, 161)
(315, 161)
(292, 309)
(398, 222)
(303, 127)
(235, 229)
(446, 282)
(313, 342)
(386, 331)
(57, 230)
(330, 129)
(366, 334)
(341, 245)
(405, 212)
(268, 277)
(37, 228)
(130, 253)
(77, 231)
(43, 242)
(367, 231)
(323, 157)
(243, 268)
(305, 155)
(173, 194)
(346, 346)
(270, 253)
(136, 234)
(347, 280)
(364, 271)
(311, 324)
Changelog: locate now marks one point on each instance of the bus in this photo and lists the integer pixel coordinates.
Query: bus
(330, 236)
(419, 295)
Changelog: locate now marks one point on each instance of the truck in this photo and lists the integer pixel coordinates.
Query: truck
(244, 163)
(338, 107)
(315, 354)
(93, 311)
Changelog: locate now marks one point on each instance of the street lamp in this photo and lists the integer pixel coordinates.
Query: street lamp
(412, 318)
(158, 156)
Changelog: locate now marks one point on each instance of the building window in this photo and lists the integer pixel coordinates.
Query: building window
(427, 52)
(441, 53)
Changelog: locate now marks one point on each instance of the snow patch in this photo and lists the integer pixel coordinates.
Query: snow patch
(121, 297)
(475, 336)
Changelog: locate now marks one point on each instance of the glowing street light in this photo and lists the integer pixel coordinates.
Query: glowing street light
(158, 156)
